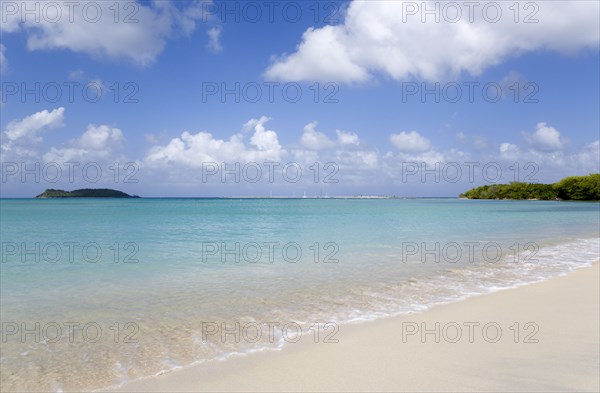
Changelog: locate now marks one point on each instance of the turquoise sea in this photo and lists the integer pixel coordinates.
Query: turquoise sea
(96, 292)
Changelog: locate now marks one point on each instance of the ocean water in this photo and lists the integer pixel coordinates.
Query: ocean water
(97, 292)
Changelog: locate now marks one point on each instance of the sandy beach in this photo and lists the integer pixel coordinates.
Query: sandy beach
(540, 337)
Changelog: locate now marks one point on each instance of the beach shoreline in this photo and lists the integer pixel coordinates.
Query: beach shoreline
(538, 337)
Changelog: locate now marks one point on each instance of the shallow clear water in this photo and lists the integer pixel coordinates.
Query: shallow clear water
(155, 272)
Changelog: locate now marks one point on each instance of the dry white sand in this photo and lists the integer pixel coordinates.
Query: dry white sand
(373, 356)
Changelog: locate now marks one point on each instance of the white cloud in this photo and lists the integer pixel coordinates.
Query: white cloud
(214, 39)
(354, 164)
(99, 137)
(30, 126)
(265, 141)
(23, 139)
(394, 163)
(251, 124)
(350, 161)
(138, 32)
(545, 138)
(507, 147)
(374, 38)
(509, 151)
(347, 138)
(552, 164)
(322, 55)
(192, 150)
(315, 140)
(589, 157)
(20, 139)
(357, 160)
(97, 142)
(343, 157)
(312, 139)
(410, 142)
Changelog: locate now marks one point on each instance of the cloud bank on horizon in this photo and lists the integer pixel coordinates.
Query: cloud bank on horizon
(186, 158)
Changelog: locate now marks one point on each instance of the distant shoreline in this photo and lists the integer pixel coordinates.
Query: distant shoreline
(312, 198)
(84, 193)
(576, 188)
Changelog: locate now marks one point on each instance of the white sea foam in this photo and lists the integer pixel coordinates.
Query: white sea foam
(451, 286)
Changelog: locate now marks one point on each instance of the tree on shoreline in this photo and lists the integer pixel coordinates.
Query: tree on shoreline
(577, 188)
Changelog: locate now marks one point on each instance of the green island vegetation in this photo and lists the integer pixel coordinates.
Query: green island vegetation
(573, 188)
(85, 193)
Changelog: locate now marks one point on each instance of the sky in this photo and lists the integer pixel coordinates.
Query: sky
(294, 98)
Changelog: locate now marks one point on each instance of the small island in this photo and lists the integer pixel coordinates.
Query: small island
(573, 188)
(85, 193)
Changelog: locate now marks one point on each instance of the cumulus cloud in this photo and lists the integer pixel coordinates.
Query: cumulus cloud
(138, 32)
(312, 139)
(21, 138)
(315, 140)
(545, 138)
(385, 37)
(265, 141)
(509, 151)
(551, 165)
(251, 124)
(357, 159)
(192, 150)
(97, 142)
(353, 161)
(545, 150)
(343, 158)
(322, 55)
(589, 157)
(410, 142)
(346, 159)
(347, 138)
(30, 126)
(431, 156)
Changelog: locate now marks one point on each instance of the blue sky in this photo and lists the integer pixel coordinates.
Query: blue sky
(376, 137)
